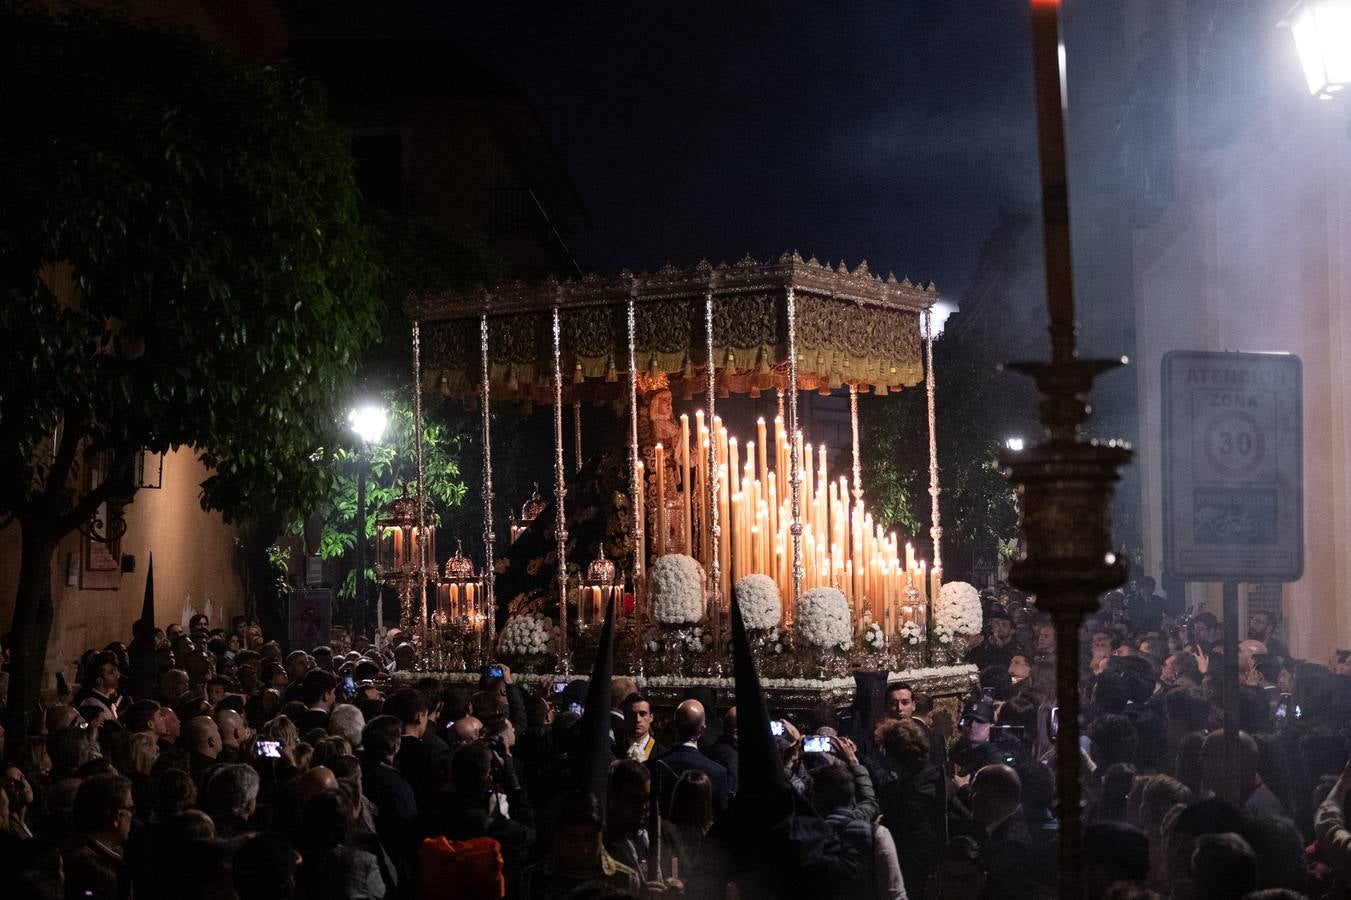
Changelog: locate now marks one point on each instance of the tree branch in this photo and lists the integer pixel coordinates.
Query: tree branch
(89, 504)
(71, 435)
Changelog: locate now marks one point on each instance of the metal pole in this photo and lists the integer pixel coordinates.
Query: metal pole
(635, 476)
(1229, 685)
(363, 462)
(489, 537)
(560, 495)
(936, 529)
(1065, 483)
(714, 526)
(794, 462)
(421, 575)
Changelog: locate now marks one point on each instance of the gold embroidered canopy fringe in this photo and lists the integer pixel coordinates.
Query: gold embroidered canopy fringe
(852, 328)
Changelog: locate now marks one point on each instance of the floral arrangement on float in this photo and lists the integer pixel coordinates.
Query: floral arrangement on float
(823, 619)
(824, 623)
(956, 613)
(676, 587)
(525, 640)
(761, 605)
(874, 639)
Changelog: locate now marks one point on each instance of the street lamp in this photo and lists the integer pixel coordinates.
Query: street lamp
(1322, 33)
(368, 423)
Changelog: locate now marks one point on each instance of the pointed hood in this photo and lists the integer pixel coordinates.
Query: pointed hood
(761, 769)
(143, 644)
(770, 840)
(591, 764)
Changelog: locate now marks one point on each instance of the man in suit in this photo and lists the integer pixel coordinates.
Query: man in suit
(688, 725)
(93, 857)
(639, 743)
(1010, 860)
(319, 690)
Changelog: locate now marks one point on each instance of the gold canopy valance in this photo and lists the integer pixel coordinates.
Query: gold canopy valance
(852, 328)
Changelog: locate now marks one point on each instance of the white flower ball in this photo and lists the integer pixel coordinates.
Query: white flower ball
(758, 597)
(676, 589)
(823, 618)
(957, 608)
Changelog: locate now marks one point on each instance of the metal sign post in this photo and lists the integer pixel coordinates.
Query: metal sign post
(1233, 486)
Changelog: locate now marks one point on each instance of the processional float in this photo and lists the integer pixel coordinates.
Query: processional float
(766, 505)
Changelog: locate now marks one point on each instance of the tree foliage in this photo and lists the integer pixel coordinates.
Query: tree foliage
(977, 407)
(203, 214)
(392, 468)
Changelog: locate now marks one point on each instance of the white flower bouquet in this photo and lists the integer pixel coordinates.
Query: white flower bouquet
(823, 618)
(526, 635)
(912, 634)
(874, 638)
(941, 635)
(958, 608)
(758, 597)
(696, 639)
(676, 586)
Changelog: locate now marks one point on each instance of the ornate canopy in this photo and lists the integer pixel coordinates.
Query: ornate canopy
(852, 328)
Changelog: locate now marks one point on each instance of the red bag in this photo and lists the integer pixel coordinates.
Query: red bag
(460, 870)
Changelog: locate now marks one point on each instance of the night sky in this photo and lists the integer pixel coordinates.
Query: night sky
(891, 132)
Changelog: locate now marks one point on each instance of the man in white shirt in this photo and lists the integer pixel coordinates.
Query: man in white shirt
(638, 723)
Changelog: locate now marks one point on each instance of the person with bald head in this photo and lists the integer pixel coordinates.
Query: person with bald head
(234, 731)
(1254, 797)
(1014, 866)
(466, 730)
(201, 737)
(688, 725)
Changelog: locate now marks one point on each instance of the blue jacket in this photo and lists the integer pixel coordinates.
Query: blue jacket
(667, 769)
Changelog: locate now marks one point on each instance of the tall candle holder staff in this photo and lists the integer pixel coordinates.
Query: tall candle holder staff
(1065, 482)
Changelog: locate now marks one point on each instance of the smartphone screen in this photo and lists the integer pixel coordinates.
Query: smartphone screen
(575, 708)
(349, 685)
(269, 749)
(494, 671)
(816, 743)
(1055, 720)
(560, 686)
(775, 727)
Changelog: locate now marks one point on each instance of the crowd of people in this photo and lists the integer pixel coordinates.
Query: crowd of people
(247, 771)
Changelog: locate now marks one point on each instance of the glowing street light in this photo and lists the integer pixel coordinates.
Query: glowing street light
(1015, 444)
(1322, 33)
(940, 312)
(368, 423)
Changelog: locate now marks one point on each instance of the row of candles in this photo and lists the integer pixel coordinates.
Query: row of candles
(842, 545)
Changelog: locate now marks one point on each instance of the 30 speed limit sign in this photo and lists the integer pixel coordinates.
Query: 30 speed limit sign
(1232, 466)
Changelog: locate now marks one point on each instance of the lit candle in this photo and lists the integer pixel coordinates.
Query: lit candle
(641, 500)
(686, 514)
(661, 499)
(762, 444)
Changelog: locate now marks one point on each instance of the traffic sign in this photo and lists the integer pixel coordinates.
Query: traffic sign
(1233, 477)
